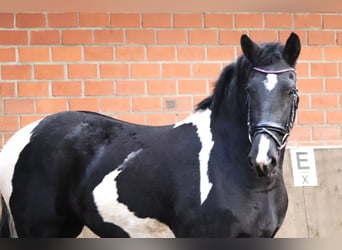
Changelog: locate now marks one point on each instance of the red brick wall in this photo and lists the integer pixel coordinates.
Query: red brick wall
(153, 68)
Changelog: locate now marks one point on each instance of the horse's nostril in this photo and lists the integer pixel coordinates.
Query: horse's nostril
(273, 162)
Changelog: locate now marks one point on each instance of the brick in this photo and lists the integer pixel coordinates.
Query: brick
(333, 84)
(332, 22)
(334, 116)
(30, 20)
(161, 119)
(108, 36)
(300, 134)
(187, 20)
(218, 20)
(7, 89)
(66, 88)
(48, 71)
(324, 69)
(126, 20)
(49, 106)
(304, 102)
(321, 37)
(310, 117)
(85, 104)
(180, 103)
(8, 123)
(130, 87)
(13, 37)
(66, 54)
(261, 36)
(94, 19)
(161, 53)
(308, 85)
(324, 101)
(302, 69)
(206, 70)
(83, 71)
(333, 53)
(135, 36)
(249, 21)
(156, 20)
(278, 20)
(27, 119)
(62, 20)
(130, 53)
(146, 104)
(33, 89)
(115, 104)
(192, 87)
(198, 98)
(77, 36)
(8, 136)
(172, 37)
(183, 115)
(307, 21)
(145, 70)
(311, 53)
(19, 106)
(190, 53)
(114, 70)
(176, 70)
(45, 37)
(203, 37)
(6, 20)
(339, 38)
(161, 87)
(98, 53)
(326, 133)
(93, 88)
(34, 54)
(136, 118)
(285, 34)
(221, 53)
(231, 37)
(7, 55)
(16, 72)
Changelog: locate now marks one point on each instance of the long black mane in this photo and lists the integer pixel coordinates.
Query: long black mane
(229, 94)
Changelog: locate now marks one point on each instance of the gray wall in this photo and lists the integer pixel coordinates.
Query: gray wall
(315, 211)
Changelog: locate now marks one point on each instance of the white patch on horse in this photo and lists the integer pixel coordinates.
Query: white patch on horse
(8, 159)
(271, 81)
(111, 210)
(201, 119)
(262, 158)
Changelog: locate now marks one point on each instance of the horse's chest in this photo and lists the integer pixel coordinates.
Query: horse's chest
(246, 218)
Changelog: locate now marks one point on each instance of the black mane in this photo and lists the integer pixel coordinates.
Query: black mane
(230, 87)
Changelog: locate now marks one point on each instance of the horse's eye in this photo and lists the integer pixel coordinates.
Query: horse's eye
(292, 76)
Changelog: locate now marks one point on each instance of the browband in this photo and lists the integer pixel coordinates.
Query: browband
(274, 71)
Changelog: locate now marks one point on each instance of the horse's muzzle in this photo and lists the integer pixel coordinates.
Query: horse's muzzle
(264, 155)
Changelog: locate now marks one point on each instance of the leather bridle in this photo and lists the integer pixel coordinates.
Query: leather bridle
(271, 128)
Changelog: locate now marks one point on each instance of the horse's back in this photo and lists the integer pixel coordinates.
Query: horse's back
(44, 164)
(53, 174)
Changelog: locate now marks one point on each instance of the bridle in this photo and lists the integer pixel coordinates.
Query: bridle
(270, 128)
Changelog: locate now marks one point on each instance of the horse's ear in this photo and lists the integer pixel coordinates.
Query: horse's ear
(292, 49)
(249, 48)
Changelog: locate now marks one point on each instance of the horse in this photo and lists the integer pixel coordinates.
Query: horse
(218, 173)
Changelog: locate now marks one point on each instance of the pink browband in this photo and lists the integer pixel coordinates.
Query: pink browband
(274, 71)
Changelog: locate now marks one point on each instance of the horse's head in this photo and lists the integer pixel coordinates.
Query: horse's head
(272, 100)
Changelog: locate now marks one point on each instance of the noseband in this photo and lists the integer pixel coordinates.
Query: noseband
(270, 128)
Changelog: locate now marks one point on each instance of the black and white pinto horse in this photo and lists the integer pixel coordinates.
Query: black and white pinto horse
(218, 173)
